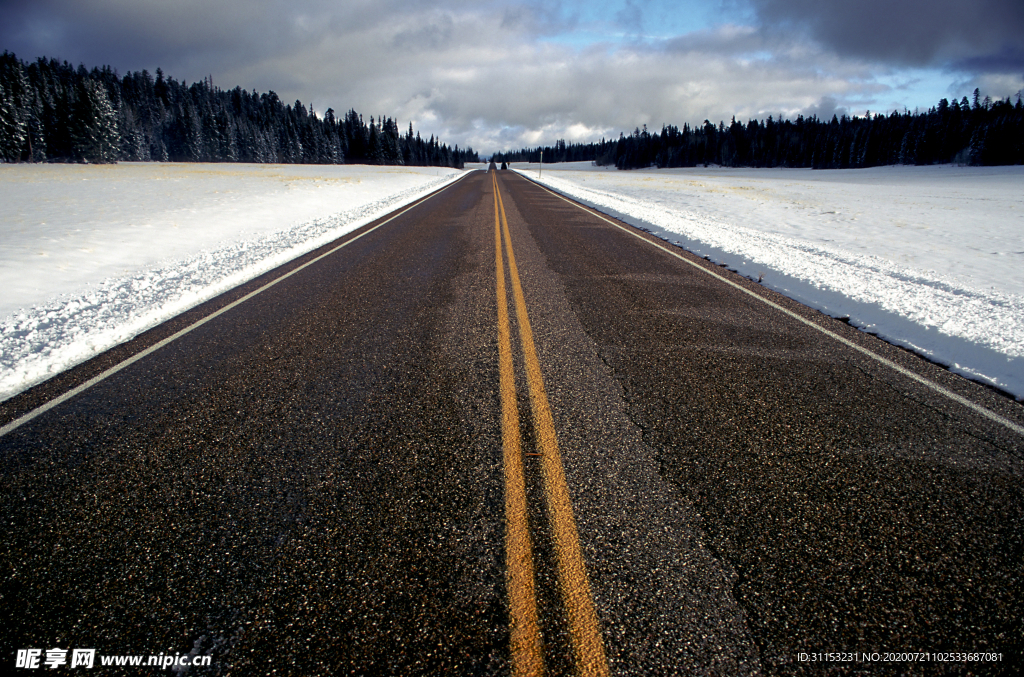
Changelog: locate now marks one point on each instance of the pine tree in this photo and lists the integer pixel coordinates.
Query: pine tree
(375, 150)
(12, 128)
(13, 125)
(94, 125)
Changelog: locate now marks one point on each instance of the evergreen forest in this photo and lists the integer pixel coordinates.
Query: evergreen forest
(51, 111)
(977, 132)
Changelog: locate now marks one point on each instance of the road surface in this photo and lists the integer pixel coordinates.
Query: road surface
(497, 433)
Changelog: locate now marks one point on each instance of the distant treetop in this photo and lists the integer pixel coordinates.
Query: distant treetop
(977, 132)
(53, 112)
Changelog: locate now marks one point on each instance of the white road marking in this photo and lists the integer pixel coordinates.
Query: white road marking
(991, 415)
(18, 422)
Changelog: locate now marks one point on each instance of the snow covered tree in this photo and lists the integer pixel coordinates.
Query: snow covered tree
(12, 128)
(54, 112)
(14, 89)
(94, 124)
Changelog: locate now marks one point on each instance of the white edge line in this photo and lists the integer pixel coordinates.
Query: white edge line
(1019, 429)
(38, 411)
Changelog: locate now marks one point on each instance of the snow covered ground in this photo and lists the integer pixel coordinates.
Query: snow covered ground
(92, 255)
(930, 258)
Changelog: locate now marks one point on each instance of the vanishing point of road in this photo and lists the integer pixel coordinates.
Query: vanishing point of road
(499, 433)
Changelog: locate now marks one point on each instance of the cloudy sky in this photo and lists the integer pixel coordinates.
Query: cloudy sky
(498, 74)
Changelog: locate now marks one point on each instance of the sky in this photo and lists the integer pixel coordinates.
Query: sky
(503, 74)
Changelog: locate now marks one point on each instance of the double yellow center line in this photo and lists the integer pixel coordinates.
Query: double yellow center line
(585, 632)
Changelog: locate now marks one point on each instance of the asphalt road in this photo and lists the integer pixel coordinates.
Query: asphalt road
(642, 469)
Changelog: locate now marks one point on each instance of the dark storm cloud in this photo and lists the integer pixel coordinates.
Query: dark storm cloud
(909, 32)
(1007, 60)
(180, 34)
(136, 34)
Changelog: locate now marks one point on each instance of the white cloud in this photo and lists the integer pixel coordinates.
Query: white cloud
(481, 74)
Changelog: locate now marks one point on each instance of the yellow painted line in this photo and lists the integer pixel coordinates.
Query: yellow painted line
(584, 628)
(526, 648)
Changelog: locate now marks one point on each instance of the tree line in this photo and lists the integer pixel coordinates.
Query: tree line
(978, 132)
(51, 111)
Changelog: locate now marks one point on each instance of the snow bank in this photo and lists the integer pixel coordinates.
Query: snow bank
(929, 258)
(91, 256)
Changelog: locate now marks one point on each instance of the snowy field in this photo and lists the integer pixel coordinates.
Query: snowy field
(930, 258)
(92, 255)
